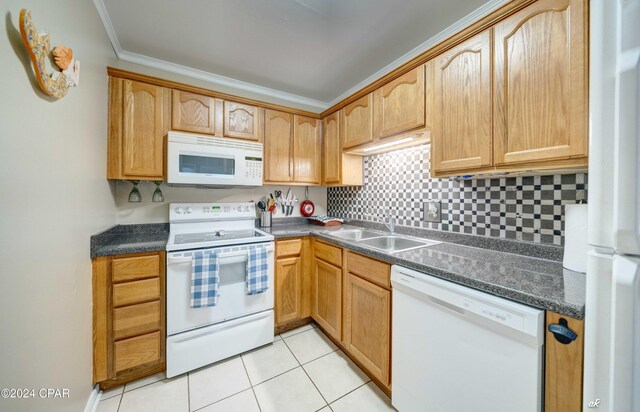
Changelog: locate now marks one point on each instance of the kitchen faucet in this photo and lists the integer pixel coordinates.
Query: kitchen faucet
(392, 222)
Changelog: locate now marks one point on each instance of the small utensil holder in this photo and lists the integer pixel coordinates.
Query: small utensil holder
(265, 219)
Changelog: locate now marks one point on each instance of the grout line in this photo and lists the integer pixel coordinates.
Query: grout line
(297, 333)
(120, 402)
(314, 385)
(321, 356)
(250, 383)
(351, 391)
(221, 399)
(189, 391)
(146, 384)
(275, 376)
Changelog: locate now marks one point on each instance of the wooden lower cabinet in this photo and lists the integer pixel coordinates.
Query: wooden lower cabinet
(350, 299)
(564, 367)
(326, 304)
(288, 289)
(293, 283)
(128, 317)
(367, 326)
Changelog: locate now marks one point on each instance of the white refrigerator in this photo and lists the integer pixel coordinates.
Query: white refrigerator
(612, 323)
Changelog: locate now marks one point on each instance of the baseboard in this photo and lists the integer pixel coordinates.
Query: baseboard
(94, 400)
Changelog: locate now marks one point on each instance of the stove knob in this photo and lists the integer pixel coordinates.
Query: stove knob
(179, 210)
(188, 210)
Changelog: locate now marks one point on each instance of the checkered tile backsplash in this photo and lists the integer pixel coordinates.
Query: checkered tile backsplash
(520, 208)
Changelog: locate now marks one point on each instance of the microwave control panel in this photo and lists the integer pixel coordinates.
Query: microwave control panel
(253, 167)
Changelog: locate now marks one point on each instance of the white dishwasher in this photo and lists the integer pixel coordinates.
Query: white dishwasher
(455, 349)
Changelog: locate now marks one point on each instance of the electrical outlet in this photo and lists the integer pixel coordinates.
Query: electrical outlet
(432, 211)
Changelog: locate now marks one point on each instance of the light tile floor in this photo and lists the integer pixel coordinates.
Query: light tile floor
(302, 371)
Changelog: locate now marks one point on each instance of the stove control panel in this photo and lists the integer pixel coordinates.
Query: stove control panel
(211, 211)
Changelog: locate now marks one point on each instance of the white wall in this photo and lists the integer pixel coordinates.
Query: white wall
(54, 195)
(149, 212)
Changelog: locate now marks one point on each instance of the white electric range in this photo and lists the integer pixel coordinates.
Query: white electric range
(239, 322)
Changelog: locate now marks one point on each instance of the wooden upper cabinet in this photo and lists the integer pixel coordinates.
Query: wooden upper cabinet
(193, 112)
(326, 297)
(541, 83)
(306, 150)
(357, 122)
(332, 150)
(461, 130)
(399, 104)
(278, 136)
(242, 121)
(338, 168)
(138, 123)
(288, 297)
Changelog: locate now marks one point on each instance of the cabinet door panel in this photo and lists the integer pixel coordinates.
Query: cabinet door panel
(332, 150)
(327, 297)
(564, 367)
(143, 130)
(277, 146)
(461, 133)
(357, 122)
(136, 320)
(306, 150)
(367, 325)
(242, 121)
(540, 83)
(288, 289)
(399, 104)
(141, 350)
(193, 112)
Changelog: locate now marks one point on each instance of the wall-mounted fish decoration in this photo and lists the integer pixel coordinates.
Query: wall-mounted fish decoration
(38, 46)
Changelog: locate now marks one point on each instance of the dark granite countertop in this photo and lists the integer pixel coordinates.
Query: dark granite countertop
(542, 283)
(125, 239)
(500, 267)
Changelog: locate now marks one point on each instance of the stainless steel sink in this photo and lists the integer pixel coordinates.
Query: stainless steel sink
(354, 234)
(395, 244)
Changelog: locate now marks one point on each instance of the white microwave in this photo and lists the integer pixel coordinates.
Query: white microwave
(211, 161)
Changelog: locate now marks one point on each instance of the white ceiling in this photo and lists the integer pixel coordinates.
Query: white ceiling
(313, 51)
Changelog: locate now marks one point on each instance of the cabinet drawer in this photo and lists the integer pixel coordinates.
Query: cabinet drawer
(136, 320)
(137, 351)
(290, 247)
(369, 269)
(328, 253)
(133, 268)
(136, 292)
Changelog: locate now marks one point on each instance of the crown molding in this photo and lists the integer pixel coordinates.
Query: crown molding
(218, 80)
(108, 26)
(215, 79)
(271, 94)
(423, 47)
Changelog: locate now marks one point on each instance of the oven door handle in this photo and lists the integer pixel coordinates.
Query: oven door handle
(187, 259)
(178, 260)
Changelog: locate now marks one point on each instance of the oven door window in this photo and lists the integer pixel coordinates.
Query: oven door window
(207, 165)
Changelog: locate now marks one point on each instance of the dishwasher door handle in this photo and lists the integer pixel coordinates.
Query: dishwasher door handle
(447, 305)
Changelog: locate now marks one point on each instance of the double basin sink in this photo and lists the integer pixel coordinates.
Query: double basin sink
(388, 243)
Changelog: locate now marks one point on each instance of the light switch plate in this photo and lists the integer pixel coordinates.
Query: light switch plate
(432, 211)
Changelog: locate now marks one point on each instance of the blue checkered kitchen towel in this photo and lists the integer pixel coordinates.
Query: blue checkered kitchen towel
(257, 276)
(205, 279)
